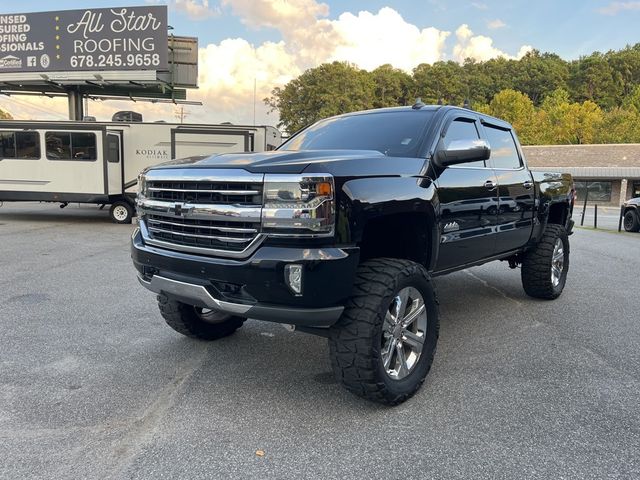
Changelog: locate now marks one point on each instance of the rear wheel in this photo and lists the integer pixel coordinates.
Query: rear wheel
(121, 212)
(631, 221)
(545, 267)
(383, 345)
(197, 322)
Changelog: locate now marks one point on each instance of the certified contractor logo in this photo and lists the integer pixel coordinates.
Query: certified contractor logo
(10, 62)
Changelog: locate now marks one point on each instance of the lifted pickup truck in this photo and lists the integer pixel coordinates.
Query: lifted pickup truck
(340, 230)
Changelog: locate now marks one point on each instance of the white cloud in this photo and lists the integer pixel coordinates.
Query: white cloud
(226, 82)
(495, 24)
(479, 47)
(479, 5)
(306, 32)
(196, 10)
(524, 49)
(616, 7)
(371, 40)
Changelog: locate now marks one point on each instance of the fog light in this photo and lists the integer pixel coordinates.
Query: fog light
(293, 278)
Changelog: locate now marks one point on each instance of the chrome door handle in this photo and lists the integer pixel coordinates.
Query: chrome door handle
(528, 184)
(490, 184)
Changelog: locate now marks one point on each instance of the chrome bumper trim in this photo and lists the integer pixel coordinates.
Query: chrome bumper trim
(198, 293)
(210, 252)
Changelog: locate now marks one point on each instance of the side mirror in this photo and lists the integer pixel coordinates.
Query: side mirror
(463, 151)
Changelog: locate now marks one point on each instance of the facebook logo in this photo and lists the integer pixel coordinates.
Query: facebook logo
(31, 61)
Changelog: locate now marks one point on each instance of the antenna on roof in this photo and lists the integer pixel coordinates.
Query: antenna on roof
(466, 104)
(418, 105)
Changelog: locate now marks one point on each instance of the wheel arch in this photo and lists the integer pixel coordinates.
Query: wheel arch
(391, 217)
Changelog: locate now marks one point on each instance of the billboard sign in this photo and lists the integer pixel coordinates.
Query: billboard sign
(96, 39)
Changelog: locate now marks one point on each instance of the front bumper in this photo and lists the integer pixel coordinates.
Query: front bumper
(254, 287)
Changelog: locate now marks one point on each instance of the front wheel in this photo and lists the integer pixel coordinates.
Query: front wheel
(545, 267)
(383, 345)
(197, 322)
(631, 221)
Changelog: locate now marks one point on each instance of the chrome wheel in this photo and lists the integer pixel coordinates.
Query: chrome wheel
(404, 333)
(557, 262)
(211, 316)
(120, 213)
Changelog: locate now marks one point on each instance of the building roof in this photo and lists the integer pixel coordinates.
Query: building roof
(595, 172)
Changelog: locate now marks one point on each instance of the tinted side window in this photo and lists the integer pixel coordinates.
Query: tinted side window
(113, 149)
(71, 146)
(7, 145)
(462, 129)
(20, 145)
(503, 148)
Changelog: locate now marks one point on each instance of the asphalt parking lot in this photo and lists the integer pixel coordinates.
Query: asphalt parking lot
(94, 385)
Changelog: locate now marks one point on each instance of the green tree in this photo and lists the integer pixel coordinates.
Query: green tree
(625, 64)
(592, 78)
(517, 109)
(445, 81)
(619, 125)
(538, 74)
(632, 101)
(393, 87)
(569, 123)
(330, 89)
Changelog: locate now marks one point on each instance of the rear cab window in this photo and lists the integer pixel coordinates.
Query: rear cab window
(504, 154)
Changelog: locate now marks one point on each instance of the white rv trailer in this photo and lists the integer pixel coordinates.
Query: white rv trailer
(99, 163)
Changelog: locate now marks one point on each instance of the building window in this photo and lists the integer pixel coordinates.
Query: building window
(598, 191)
(20, 145)
(71, 146)
(636, 190)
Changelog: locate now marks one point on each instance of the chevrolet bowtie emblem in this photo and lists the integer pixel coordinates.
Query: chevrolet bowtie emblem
(180, 210)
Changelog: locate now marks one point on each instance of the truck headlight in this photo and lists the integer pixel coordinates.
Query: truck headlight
(141, 189)
(298, 205)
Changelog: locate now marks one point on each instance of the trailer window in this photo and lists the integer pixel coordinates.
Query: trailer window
(20, 145)
(113, 149)
(79, 146)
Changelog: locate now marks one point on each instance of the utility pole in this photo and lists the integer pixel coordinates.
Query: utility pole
(180, 114)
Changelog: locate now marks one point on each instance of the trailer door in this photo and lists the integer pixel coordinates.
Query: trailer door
(113, 149)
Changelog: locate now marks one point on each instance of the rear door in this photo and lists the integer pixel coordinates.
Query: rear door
(114, 161)
(516, 190)
(468, 202)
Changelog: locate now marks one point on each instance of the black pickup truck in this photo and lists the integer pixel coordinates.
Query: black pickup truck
(339, 232)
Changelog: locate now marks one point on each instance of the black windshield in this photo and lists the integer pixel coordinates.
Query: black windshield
(396, 134)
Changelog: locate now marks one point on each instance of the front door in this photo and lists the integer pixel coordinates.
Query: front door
(468, 197)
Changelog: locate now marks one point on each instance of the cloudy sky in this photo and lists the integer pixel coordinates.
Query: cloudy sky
(272, 41)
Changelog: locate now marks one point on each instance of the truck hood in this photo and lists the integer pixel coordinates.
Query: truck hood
(335, 162)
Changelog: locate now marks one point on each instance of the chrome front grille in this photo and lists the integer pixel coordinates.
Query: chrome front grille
(211, 212)
(232, 236)
(224, 193)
